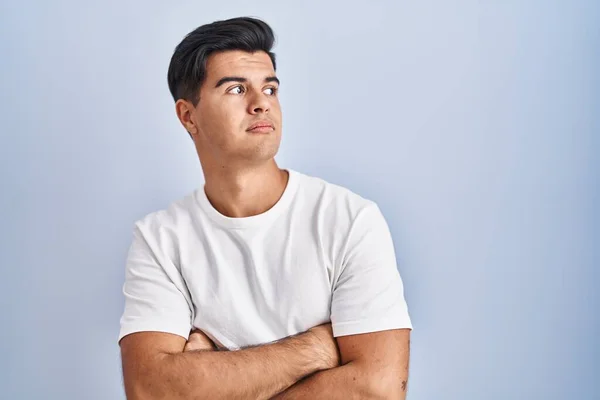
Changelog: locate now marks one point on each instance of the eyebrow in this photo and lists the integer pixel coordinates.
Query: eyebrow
(241, 79)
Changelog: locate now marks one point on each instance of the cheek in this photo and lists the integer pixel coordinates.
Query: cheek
(276, 109)
(222, 122)
(212, 116)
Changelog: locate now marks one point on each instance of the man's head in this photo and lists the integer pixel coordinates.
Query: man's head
(222, 78)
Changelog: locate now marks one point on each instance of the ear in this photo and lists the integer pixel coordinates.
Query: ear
(185, 113)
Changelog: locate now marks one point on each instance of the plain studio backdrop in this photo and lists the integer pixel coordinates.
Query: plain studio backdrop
(475, 125)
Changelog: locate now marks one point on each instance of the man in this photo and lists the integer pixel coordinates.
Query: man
(264, 283)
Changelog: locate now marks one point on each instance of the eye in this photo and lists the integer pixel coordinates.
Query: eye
(271, 91)
(236, 90)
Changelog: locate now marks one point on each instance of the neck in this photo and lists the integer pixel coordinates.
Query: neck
(247, 191)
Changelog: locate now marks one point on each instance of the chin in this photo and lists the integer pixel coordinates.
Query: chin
(261, 153)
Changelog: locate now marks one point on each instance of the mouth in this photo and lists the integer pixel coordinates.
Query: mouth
(260, 127)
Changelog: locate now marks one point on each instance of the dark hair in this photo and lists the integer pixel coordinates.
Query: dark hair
(187, 69)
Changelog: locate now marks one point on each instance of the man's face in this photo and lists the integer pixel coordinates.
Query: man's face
(239, 92)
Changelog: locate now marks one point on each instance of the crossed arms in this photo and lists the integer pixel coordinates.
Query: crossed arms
(311, 365)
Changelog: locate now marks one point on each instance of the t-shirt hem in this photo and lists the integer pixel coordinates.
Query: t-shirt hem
(368, 326)
(176, 328)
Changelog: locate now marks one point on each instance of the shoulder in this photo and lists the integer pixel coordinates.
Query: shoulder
(166, 226)
(332, 199)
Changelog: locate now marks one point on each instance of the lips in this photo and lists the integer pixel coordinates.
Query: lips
(260, 126)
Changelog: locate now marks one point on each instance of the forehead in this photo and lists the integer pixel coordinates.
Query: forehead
(238, 63)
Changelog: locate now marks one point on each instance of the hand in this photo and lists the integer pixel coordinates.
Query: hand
(198, 341)
(327, 345)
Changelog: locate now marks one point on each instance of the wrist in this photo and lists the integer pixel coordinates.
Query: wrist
(306, 349)
(317, 350)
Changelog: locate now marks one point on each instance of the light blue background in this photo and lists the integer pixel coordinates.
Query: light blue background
(474, 124)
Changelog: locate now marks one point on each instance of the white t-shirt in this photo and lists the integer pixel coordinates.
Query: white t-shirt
(321, 253)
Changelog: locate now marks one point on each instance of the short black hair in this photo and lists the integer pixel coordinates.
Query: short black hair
(187, 69)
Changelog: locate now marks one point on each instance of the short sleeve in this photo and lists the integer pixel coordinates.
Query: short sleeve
(368, 295)
(156, 297)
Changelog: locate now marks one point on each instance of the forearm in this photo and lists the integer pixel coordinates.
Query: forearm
(257, 372)
(350, 381)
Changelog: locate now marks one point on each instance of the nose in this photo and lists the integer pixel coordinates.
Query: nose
(259, 103)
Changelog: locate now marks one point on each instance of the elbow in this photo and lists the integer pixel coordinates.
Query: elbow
(380, 383)
(387, 388)
(152, 389)
(146, 389)
(154, 382)
(136, 391)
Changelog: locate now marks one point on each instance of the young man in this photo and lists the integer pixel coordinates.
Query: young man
(265, 282)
